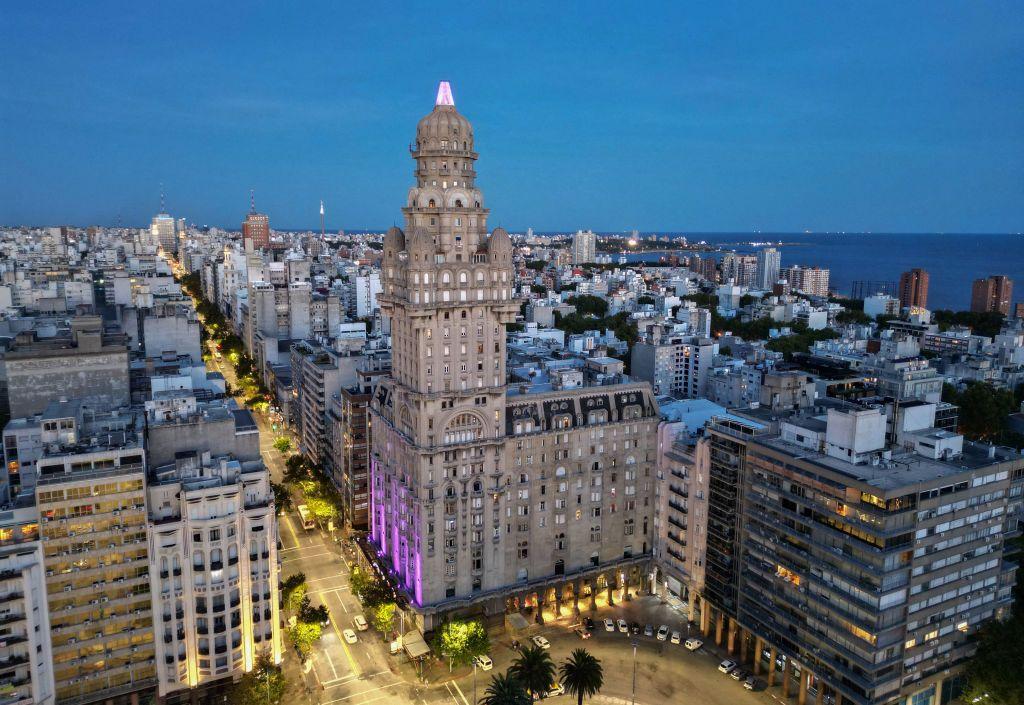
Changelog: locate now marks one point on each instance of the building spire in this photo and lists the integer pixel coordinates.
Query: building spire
(444, 94)
(162, 208)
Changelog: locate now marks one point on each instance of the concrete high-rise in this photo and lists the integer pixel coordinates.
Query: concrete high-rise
(992, 294)
(470, 503)
(164, 232)
(914, 289)
(769, 265)
(584, 247)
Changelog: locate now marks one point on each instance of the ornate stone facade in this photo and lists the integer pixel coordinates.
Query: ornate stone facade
(470, 505)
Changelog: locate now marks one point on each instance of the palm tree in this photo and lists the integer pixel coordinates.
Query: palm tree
(582, 675)
(534, 669)
(505, 690)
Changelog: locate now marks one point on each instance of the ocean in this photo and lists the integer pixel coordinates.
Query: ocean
(953, 262)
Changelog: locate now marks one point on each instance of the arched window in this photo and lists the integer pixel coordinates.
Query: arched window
(458, 203)
(431, 203)
(463, 428)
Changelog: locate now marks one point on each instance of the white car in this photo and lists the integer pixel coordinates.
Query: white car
(694, 644)
(623, 627)
(609, 625)
(674, 638)
(483, 662)
(662, 633)
(360, 622)
(350, 636)
(541, 642)
(726, 666)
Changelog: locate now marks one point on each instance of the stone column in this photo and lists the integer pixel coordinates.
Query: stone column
(731, 640)
(758, 649)
(801, 698)
(558, 601)
(576, 598)
(773, 654)
(719, 619)
(787, 678)
(692, 597)
(611, 587)
(819, 699)
(744, 638)
(593, 595)
(705, 617)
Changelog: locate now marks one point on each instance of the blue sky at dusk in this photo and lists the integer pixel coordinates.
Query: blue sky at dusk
(895, 117)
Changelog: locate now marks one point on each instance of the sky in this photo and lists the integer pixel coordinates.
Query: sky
(728, 116)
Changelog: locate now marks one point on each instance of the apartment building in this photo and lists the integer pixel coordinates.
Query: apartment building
(849, 569)
(213, 555)
(318, 373)
(679, 366)
(90, 495)
(26, 671)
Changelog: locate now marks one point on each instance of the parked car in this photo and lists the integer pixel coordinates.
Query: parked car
(750, 683)
(541, 642)
(662, 633)
(350, 636)
(583, 633)
(648, 630)
(609, 625)
(675, 637)
(693, 644)
(726, 666)
(589, 624)
(634, 628)
(623, 627)
(360, 622)
(483, 662)
(737, 674)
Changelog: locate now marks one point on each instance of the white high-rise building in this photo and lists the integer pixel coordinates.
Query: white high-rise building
(584, 246)
(163, 232)
(367, 288)
(769, 264)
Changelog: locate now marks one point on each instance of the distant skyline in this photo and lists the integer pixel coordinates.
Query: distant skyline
(728, 118)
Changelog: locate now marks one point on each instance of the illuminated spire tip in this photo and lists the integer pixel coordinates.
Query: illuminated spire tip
(444, 94)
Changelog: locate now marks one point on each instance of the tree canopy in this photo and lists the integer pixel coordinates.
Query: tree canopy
(582, 675)
(461, 640)
(504, 689)
(589, 304)
(264, 683)
(382, 617)
(984, 412)
(534, 669)
(303, 635)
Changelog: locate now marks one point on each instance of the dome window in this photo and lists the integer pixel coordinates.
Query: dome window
(431, 203)
(458, 203)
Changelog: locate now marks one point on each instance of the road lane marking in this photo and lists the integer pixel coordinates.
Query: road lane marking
(344, 644)
(457, 688)
(363, 692)
(331, 662)
(312, 555)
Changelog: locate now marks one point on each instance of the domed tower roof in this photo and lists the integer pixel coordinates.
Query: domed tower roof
(394, 242)
(499, 246)
(444, 122)
(422, 247)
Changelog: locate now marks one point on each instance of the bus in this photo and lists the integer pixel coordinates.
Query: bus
(306, 517)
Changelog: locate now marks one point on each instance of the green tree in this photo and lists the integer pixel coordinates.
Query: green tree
(850, 315)
(314, 615)
(303, 635)
(283, 444)
(504, 689)
(295, 469)
(994, 675)
(282, 498)
(538, 289)
(745, 300)
(322, 509)
(460, 641)
(383, 617)
(537, 265)
(263, 684)
(534, 669)
(984, 410)
(293, 590)
(368, 588)
(582, 675)
(588, 304)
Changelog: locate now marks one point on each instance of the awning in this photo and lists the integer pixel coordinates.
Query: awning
(414, 645)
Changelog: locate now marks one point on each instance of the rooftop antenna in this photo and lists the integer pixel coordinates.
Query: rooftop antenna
(252, 200)
(162, 208)
(322, 231)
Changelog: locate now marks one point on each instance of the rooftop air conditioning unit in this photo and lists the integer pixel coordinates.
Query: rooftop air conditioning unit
(67, 588)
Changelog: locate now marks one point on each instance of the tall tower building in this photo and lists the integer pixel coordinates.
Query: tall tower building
(256, 228)
(162, 228)
(584, 247)
(914, 289)
(992, 294)
(769, 264)
(450, 438)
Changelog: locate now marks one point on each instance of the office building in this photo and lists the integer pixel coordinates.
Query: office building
(256, 230)
(584, 247)
(914, 289)
(486, 498)
(164, 233)
(992, 294)
(769, 266)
